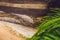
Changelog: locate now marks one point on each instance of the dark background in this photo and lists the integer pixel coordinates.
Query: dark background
(54, 3)
(33, 12)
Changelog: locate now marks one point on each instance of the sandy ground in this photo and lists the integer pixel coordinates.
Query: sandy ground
(5, 34)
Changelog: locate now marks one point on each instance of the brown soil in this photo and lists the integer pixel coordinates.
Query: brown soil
(5, 34)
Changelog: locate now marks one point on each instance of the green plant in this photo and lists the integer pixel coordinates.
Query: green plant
(50, 29)
(43, 28)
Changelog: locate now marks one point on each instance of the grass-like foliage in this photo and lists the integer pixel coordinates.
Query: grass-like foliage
(50, 29)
